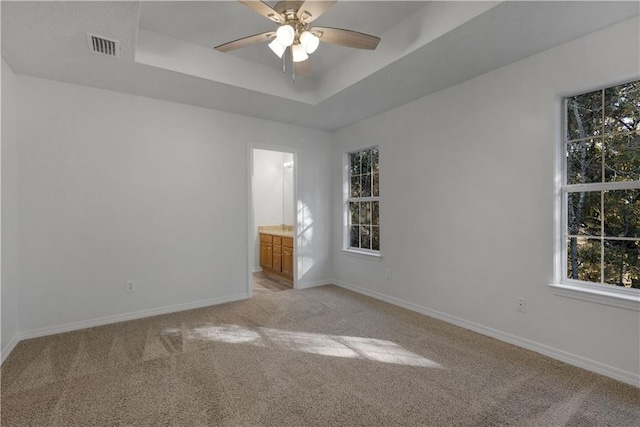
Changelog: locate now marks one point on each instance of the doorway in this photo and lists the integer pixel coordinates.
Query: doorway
(271, 220)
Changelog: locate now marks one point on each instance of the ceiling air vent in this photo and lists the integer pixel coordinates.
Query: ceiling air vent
(104, 45)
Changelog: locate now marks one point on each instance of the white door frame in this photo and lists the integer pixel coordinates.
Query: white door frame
(251, 220)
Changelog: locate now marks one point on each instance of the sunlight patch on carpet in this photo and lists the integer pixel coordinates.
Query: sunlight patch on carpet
(326, 345)
(232, 334)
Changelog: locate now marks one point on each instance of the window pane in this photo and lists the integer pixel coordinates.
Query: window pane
(622, 158)
(584, 115)
(375, 159)
(361, 215)
(365, 237)
(375, 213)
(355, 186)
(366, 161)
(622, 108)
(583, 213)
(622, 213)
(602, 147)
(376, 184)
(365, 213)
(622, 263)
(354, 210)
(366, 185)
(354, 161)
(583, 259)
(354, 236)
(375, 238)
(584, 161)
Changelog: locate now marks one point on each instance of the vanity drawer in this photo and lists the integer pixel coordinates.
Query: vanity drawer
(277, 240)
(287, 241)
(266, 238)
(277, 249)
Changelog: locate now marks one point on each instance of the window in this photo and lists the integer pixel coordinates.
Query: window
(363, 202)
(601, 188)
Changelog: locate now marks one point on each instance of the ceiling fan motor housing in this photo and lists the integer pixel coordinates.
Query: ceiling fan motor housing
(289, 10)
(287, 7)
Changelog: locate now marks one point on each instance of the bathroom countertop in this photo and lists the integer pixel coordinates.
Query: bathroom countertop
(277, 230)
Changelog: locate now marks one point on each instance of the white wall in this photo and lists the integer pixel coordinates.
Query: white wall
(467, 204)
(9, 233)
(272, 186)
(116, 187)
(288, 190)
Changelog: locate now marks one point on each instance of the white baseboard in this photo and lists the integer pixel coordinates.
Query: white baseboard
(9, 348)
(308, 285)
(257, 269)
(99, 321)
(563, 356)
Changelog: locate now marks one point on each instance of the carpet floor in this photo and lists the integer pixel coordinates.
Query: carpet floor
(318, 357)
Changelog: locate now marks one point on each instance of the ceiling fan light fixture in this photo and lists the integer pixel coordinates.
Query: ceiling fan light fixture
(309, 41)
(277, 48)
(285, 35)
(298, 53)
(293, 30)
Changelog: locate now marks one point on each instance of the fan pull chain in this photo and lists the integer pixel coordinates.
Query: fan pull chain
(293, 67)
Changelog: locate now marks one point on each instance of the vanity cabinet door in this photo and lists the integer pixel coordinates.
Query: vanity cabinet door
(266, 255)
(277, 262)
(287, 261)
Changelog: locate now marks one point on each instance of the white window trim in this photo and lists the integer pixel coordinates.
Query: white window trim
(624, 298)
(367, 254)
(600, 294)
(363, 254)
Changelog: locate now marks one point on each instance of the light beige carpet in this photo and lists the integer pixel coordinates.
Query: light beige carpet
(322, 356)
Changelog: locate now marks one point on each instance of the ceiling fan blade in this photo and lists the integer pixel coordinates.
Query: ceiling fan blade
(302, 68)
(246, 41)
(310, 10)
(263, 9)
(346, 38)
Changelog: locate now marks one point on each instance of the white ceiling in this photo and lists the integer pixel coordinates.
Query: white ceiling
(166, 51)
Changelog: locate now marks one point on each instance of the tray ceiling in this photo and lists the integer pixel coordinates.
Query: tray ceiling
(166, 51)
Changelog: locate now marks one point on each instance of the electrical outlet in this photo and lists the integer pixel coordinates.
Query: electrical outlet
(388, 274)
(522, 305)
(131, 286)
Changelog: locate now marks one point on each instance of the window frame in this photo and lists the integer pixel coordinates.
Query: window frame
(617, 296)
(364, 253)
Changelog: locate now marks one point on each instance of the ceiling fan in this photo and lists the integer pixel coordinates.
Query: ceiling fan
(294, 32)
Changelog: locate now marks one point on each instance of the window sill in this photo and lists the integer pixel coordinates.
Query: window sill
(363, 255)
(600, 296)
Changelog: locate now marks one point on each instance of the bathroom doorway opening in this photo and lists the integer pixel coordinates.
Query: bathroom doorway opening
(272, 217)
